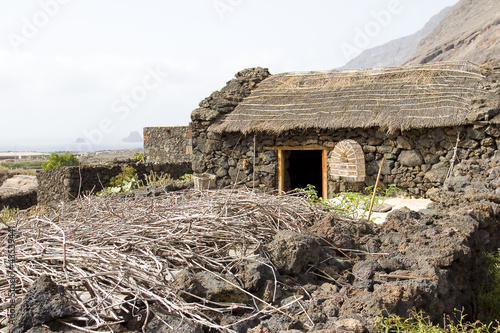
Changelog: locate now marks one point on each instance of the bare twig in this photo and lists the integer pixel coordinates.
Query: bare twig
(117, 254)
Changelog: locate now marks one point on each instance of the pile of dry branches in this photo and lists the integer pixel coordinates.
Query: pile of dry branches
(114, 254)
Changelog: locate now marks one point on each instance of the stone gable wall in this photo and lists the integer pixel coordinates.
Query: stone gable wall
(168, 144)
(211, 152)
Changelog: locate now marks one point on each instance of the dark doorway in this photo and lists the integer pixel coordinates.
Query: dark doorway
(305, 167)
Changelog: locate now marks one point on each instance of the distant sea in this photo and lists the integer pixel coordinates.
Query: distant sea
(50, 148)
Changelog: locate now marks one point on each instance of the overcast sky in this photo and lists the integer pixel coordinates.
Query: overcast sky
(100, 69)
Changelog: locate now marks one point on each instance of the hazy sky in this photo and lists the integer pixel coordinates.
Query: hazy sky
(101, 69)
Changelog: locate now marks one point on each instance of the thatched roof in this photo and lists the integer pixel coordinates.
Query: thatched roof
(393, 98)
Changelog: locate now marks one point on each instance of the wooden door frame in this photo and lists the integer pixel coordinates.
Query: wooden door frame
(324, 173)
(282, 169)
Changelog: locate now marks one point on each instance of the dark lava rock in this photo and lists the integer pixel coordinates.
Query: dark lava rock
(279, 322)
(206, 285)
(44, 301)
(217, 290)
(343, 234)
(395, 262)
(171, 323)
(410, 158)
(255, 273)
(292, 252)
(188, 284)
(365, 270)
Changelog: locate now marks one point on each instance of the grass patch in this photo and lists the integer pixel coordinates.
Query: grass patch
(420, 323)
(21, 165)
(138, 157)
(155, 179)
(185, 178)
(352, 204)
(489, 298)
(9, 214)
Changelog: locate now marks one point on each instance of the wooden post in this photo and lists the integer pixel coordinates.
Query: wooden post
(375, 189)
(281, 172)
(324, 168)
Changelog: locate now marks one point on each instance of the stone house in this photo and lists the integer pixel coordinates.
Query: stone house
(331, 129)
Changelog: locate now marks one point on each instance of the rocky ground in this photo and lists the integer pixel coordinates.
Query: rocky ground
(338, 282)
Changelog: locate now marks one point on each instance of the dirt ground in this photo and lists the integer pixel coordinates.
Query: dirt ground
(418, 205)
(391, 204)
(18, 183)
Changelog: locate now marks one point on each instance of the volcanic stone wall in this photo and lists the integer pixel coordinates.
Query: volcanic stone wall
(67, 183)
(416, 160)
(21, 200)
(168, 144)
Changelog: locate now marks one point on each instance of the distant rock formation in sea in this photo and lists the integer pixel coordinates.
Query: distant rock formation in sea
(134, 136)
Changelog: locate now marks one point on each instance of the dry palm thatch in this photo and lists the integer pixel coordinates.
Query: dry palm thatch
(398, 98)
(114, 253)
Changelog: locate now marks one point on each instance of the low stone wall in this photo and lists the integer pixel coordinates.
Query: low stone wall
(67, 183)
(168, 144)
(21, 200)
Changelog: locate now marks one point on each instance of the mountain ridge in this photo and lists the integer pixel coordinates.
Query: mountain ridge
(469, 31)
(397, 51)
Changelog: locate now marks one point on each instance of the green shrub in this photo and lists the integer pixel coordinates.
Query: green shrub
(312, 194)
(127, 173)
(59, 160)
(185, 178)
(123, 182)
(353, 204)
(9, 214)
(420, 323)
(489, 298)
(138, 157)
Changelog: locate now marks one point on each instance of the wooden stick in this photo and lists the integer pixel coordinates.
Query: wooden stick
(375, 188)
